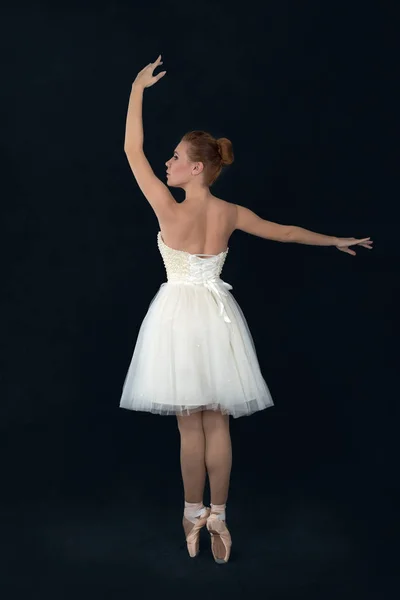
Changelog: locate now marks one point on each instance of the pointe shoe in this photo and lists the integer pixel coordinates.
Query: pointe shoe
(221, 541)
(192, 532)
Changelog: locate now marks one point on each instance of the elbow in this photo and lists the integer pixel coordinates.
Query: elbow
(289, 233)
(129, 150)
(279, 233)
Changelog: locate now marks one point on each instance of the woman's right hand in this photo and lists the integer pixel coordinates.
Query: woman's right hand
(344, 243)
(145, 78)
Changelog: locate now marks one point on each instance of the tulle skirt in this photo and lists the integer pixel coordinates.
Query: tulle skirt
(187, 358)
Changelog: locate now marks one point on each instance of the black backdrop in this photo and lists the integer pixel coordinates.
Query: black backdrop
(92, 495)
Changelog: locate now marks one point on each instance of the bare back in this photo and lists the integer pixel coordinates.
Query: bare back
(201, 230)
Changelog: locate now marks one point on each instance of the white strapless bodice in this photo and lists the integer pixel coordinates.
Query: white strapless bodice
(184, 267)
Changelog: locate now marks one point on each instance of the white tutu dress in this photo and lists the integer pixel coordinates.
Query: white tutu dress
(194, 350)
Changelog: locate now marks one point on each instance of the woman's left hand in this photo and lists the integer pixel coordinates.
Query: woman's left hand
(344, 243)
(145, 77)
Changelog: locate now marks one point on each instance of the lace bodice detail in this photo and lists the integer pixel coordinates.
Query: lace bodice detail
(183, 266)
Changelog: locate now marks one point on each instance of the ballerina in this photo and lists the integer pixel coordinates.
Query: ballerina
(194, 356)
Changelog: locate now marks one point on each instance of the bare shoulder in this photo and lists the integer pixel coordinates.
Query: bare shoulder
(228, 210)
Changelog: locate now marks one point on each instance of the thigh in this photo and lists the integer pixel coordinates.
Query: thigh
(214, 419)
(191, 422)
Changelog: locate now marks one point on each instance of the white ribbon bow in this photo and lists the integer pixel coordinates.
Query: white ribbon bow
(215, 286)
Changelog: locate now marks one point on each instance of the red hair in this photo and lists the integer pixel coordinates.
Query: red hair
(213, 153)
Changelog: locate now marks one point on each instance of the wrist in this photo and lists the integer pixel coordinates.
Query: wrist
(137, 86)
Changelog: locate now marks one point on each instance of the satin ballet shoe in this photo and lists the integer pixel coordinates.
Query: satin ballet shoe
(192, 532)
(221, 541)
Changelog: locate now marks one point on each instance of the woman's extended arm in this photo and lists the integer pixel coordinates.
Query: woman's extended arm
(250, 222)
(305, 236)
(134, 122)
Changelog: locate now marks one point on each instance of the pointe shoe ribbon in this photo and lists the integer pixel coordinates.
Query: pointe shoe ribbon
(193, 537)
(219, 531)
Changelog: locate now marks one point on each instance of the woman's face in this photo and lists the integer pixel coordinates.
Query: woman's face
(179, 168)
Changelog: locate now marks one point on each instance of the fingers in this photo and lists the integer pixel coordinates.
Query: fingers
(365, 242)
(156, 78)
(353, 241)
(157, 62)
(347, 250)
(154, 65)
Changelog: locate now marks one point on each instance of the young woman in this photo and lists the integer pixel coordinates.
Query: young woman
(194, 355)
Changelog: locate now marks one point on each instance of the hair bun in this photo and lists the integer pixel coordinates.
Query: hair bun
(213, 152)
(225, 148)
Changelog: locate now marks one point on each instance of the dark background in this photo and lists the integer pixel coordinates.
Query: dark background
(91, 495)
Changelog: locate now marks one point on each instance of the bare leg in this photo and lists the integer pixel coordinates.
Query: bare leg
(193, 466)
(192, 456)
(219, 464)
(218, 454)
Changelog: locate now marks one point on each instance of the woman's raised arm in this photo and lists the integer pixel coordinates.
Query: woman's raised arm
(156, 192)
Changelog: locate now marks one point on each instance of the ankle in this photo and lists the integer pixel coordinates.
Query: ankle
(194, 510)
(220, 510)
